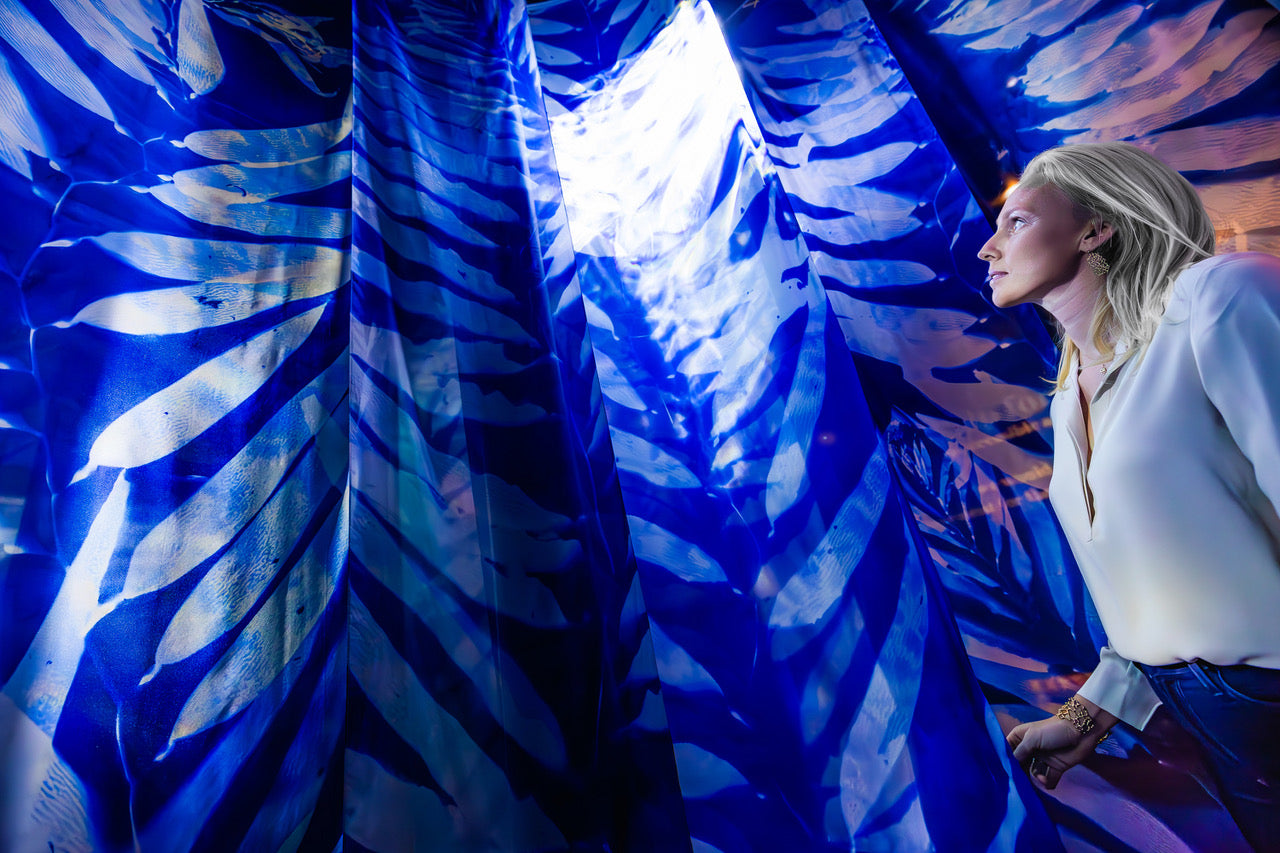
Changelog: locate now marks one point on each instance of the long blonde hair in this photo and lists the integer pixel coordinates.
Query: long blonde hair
(1159, 228)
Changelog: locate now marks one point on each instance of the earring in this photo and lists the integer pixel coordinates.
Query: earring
(1098, 264)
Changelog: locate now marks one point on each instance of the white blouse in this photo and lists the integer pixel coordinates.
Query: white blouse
(1173, 521)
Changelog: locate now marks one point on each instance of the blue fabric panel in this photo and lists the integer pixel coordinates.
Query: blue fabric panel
(560, 425)
(785, 585)
(1197, 84)
(503, 687)
(175, 386)
(957, 387)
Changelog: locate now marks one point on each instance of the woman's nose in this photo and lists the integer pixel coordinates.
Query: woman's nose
(988, 251)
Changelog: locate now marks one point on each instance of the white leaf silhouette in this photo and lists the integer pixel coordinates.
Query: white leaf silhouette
(42, 679)
(173, 310)
(275, 145)
(199, 61)
(268, 646)
(233, 585)
(19, 130)
(47, 58)
(104, 34)
(191, 259)
(172, 417)
(209, 519)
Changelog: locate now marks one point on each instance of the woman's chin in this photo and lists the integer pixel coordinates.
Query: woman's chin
(1004, 297)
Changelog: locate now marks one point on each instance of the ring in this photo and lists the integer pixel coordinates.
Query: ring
(1040, 762)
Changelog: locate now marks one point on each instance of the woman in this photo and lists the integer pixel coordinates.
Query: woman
(1167, 460)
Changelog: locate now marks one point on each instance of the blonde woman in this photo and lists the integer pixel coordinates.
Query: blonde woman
(1166, 473)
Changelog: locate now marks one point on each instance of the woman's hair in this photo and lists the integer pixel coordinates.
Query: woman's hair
(1159, 227)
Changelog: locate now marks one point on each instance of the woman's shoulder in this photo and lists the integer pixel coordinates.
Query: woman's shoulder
(1216, 285)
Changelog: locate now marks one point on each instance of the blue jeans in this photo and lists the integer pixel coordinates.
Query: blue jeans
(1234, 711)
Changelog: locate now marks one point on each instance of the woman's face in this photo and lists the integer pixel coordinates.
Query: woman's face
(1037, 248)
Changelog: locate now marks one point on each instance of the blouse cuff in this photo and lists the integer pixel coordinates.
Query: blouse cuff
(1118, 687)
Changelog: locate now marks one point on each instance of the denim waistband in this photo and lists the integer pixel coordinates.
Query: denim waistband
(1253, 682)
(1200, 663)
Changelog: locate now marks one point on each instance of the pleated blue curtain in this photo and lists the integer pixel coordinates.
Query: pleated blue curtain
(956, 387)
(502, 691)
(175, 425)
(654, 499)
(550, 426)
(715, 338)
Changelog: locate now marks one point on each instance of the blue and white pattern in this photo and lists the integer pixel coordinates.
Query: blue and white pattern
(1197, 84)
(552, 425)
(174, 593)
(716, 340)
(956, 387)
(502, 692)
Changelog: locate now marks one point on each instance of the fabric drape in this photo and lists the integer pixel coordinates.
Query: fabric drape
(555, 426)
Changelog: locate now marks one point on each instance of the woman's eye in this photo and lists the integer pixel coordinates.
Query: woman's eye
(1016, 223)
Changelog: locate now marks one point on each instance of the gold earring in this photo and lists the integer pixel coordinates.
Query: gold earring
(1098, 264)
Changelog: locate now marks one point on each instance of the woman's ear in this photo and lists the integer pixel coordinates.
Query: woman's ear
(1099, 233)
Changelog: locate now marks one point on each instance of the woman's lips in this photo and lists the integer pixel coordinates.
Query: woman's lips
(991, 277)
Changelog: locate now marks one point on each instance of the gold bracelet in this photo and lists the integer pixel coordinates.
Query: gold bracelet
(1077, 715)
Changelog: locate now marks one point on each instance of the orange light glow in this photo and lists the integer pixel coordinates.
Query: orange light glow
(1009, 185)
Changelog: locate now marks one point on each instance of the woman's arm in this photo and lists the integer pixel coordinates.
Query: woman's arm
(1117, 691)
(1119, 687)
(1049, 748)
(1235, 323)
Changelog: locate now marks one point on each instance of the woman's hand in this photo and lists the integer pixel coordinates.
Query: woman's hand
(1049, 748)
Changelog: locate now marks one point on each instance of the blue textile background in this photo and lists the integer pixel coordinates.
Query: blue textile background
(557, 425)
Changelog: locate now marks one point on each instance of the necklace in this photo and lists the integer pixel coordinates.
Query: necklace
(1102, 366)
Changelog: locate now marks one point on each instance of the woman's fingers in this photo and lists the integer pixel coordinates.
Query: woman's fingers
(1047, 749)
(1025, 740)
(1046, 771)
